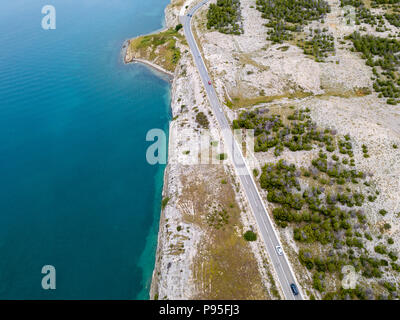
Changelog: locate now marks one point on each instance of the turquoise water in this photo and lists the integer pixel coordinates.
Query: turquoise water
(75, 189)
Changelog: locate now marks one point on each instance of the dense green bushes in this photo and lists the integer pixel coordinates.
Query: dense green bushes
(322, 201)
(225, 16)
(381, 54)
(379, 2)
(250, 236)
(299, 134)
(354, 3)
(393, 19)
(319, 45)
(364, 15)
(293, 11)
(288, 16)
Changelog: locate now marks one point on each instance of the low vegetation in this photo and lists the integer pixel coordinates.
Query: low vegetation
(365, 15)
(382, 55)
(240, 101)
(202, 120)
(164, 202)
(222, 156)
(319, 44)
(224, 266)
(393, 19)
(159, 48)
(250, 236)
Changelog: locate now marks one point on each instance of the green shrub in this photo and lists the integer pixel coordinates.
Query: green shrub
(318, 278)
(255, 172)
(382, 212)
(395, 266)
(368, 236)
(389, 286)
(164, 202)
(222, 156)
(202, 120)
(392, 255)
(380, 249)
(250, 236)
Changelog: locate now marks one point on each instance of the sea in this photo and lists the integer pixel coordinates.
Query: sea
(76, 191)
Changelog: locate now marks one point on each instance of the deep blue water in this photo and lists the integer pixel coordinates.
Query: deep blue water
(75, 189)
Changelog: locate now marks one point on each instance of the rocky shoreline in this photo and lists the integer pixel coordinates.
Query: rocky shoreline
(187, 244)
(168, 287)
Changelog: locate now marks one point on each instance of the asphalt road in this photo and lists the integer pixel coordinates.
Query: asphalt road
(268, 233)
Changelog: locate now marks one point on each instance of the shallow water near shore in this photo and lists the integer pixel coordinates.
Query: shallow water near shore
(76, 191)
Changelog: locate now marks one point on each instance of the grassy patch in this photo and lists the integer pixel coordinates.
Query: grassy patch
(159, 48)
(225, 266)
(250, 236)
(243, 102)
(342, 93)
(164, 202)
(177, 3)
(283, 48)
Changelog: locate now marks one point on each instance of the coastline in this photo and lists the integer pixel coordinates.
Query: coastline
(142, 61)
(152, 65)
(185, 241)
(168, 21)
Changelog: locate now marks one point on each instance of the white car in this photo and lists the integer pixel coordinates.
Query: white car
(279, 250)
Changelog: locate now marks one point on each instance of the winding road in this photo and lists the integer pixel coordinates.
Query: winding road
(280, 263)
